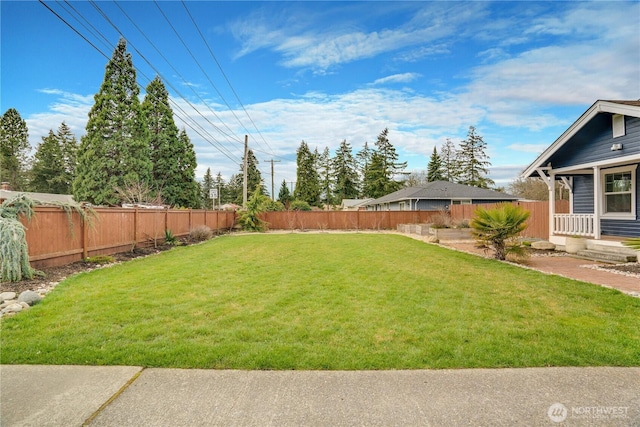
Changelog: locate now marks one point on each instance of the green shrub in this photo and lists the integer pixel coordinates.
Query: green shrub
(250, 219)
(169, 238)
(498, 228)
(299, 205)
(633, 243)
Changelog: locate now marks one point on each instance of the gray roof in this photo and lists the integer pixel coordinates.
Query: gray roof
(38, 197)
(442, 190)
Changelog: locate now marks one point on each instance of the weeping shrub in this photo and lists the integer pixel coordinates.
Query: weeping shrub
(250, 219)
(14, 252)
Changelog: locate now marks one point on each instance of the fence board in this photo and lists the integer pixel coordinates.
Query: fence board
(538, 223)
(52, 242)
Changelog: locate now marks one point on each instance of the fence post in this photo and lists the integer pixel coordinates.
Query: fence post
(85, 236)
(135, 227)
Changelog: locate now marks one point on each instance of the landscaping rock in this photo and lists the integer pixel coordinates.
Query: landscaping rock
(24, 305)
(543, 245)
(29, 297)
(12, 308)
(433, 239)
(6, 296)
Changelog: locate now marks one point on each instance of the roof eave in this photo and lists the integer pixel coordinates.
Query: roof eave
(596, 108)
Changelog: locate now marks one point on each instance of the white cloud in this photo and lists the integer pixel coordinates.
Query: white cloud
(398, 78)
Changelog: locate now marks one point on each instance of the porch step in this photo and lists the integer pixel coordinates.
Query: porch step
(607, 256)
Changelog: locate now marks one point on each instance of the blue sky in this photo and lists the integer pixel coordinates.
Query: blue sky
(520, 72)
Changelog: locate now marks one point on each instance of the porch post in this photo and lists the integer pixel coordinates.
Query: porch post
(550, 180)
(551, 184)
(597, 194)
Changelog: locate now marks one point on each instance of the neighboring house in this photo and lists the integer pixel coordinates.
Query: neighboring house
(38, 197)
(436, 195)
(354, 204)
(597, 160)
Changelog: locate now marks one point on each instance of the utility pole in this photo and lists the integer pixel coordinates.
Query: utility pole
(273, 194)
(244, 172)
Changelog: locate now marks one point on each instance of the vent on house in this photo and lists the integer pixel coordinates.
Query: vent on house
(618, 125)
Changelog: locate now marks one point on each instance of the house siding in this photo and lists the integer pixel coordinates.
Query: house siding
(583, 194)
(593, 142)
(428, 204)
(583, 204)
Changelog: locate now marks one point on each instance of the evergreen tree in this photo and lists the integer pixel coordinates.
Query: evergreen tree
(474, 162)
(284, 196)
(325, 169)
(220, 185)
(363, 158)
(206, 185)
(379, 178)
(172, 154)
(345, 173)
(449, 159)
(69, 146)
(254, 178)
(434, 168)
(14, 149)
(114, 153)
(233, 191)
(48, 172)
(307, 185)
(375, 182)
(391, 167)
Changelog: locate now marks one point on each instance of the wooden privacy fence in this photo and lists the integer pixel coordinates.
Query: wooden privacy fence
(538, 222)
(55, 238)
(344, 220)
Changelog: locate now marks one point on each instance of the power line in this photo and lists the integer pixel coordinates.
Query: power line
(195, 24)
(220, 148)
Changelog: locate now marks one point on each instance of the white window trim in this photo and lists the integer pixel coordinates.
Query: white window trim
(618, 126)
(602, 202)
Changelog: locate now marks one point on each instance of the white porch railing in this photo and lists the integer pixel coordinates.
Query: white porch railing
(574, 224)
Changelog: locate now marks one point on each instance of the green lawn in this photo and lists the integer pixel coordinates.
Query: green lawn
(324, 301)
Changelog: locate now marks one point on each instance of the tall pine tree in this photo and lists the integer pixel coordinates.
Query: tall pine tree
(345, 173)
(449, 158)
(325, 169)
(172, 154)
(254, 178)
(284, 195)
(49, 174)
(380, 175)
(308, 183)
(114, 153)
(14, 149)
(434, 168)
(474, 162)
(206, 185)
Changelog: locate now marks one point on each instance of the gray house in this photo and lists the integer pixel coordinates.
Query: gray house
(597, 160)
(436, 195)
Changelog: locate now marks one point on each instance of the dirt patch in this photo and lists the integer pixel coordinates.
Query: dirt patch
(631, 268)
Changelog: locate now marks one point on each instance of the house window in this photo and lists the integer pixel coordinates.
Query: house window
(461, 202)
(619, 192)
(618, 125)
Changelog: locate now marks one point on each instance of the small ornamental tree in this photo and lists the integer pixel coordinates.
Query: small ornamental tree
(497, 228)
(257, 204)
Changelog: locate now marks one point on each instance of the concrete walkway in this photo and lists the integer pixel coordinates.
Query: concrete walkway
(130, 396)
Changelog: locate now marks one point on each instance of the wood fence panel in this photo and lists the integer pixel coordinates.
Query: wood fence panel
(50, 231)
(112, 227)
(178, 221)
(150, 226)
(538, 223)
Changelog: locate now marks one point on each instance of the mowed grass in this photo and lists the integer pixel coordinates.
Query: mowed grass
(324, 301)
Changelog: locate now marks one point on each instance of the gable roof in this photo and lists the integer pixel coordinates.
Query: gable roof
(627, 108)
(443, 190)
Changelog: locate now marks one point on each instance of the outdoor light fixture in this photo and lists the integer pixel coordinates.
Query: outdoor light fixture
(616, 147)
